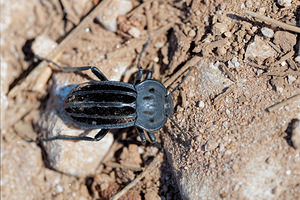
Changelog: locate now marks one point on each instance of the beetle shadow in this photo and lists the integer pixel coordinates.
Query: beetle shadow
(289, 131)
(58, 94)
(183, 140)
(167, 178)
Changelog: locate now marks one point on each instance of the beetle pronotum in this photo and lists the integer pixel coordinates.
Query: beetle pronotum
(109, 105)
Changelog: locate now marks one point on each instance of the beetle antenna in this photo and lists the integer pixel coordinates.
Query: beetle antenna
(173, 121)
(141, 54)
(190, 69)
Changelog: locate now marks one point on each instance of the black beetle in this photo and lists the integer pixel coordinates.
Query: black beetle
(108, 104)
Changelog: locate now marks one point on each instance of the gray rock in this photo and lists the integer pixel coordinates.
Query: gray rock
(76, 158)
(259, 50)
(211, 79)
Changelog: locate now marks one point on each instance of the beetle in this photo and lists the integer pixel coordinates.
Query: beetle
(109, 105)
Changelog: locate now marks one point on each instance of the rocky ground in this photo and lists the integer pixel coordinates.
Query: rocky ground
(239, 108)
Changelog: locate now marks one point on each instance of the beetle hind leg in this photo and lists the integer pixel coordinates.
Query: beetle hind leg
(97, 137)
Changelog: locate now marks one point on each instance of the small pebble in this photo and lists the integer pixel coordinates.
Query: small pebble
(297, 59)
(159, 44)
(249, 4)
(262, 10)
(43, 45)
(221, 51)
(283, 64)
(59, 188)
(254, 29)
(201, 104)
(227, 112)
(192, 33)
(242, 5)
(134, 32)
(228, 34)
(284, 3)
(156, 59)
(267, 32)
(219, 28)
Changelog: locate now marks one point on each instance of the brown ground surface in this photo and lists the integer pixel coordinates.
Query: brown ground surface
(231, 135)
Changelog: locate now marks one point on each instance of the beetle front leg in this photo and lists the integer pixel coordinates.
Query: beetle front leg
(142, 134)
(139, 76)
(140, 72)
(151, 137)
(97, 137)
(94, 70)
(150, 72)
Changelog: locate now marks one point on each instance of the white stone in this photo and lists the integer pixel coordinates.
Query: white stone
(297, 59)
(228, 34)
(115, 8)
(267, 32)
(43, 45)
(283, 64)
(201, 104)
(284, 3)
(242, 5)
(76, 158)
(134, 32)
(159, 44)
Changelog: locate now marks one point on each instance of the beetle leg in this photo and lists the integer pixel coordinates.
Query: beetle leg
(140, 72)
(97, 137)
(68, 137)
(142, 134)
(95, 70)
(139, 76)
(101, 134)
(151, 137)
(149, 73)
